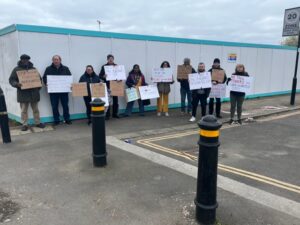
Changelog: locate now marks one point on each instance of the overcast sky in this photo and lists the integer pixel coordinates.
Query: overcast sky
(255, 21)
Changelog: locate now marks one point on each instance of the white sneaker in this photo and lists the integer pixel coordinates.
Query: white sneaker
(167, 114)
(158, 114)
(192, 119)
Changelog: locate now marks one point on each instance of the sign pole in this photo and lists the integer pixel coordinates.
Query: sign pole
(294, 86)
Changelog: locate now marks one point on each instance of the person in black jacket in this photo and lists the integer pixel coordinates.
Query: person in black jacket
(185, 91)
(89, 77)
(199, 94)
(216, 66)
(102, 75)
(237, 98)
(56, 68)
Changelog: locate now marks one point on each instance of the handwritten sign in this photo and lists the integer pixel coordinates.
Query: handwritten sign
(105, 94)
(117, 88)
(132, 94)
(218, 91)
(59, 83)
(148, 92)
(98, 90)
(240, 83)
(199, 80)
(115, 72)
(79, 89)
(218, 75)
(162, 75)
(183, 71)
(29, 79)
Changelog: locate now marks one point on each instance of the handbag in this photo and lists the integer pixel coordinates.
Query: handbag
(146, 102)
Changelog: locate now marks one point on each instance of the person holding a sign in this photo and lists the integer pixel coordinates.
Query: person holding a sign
(182, 77)
(89, 77)
(237, 98)
(199, 95)
(103, 76)
(58, 69)
(218, 76)
(30, 95)
(135, 80)
(164, 90)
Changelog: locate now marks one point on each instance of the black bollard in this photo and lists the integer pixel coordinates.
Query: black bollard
(98, 133)
(4, 119)
(206, 196)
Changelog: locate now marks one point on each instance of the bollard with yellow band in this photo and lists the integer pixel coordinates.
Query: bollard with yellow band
(206, 196)
(98, 132)
(4, 119)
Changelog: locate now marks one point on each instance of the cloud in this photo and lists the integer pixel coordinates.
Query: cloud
(225, 20)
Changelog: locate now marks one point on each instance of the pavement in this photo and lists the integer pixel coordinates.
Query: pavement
(49, 178)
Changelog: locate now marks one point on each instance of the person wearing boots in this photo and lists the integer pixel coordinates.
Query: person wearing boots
(103, 76)
(216, 66)
(26, 97)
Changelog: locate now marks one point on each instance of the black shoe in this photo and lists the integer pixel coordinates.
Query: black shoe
(231, 122)
(41, 125)
(89, 122)
(239, 121)
(219, 116)
(24, 128)
(69, 122)
(56, 123)
(116, 116)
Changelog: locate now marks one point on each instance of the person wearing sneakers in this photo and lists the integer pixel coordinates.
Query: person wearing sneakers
(164, 90)
(185, 91)
(199, 95)
(237, 98)
(216, 66)
(26, 96)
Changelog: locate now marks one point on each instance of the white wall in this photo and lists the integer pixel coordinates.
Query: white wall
(272, 69)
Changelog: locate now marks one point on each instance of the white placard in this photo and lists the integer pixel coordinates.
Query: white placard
(218, 91)
(240, 83)
(162, 75)
(199, 80)
(59, 83)
(148, 92)
(105, 98)
(115, 72)
(131, 94)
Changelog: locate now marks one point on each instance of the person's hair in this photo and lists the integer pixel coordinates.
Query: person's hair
(162, 64)
(187, 59)
(110, 55)
(201, 63)
(90, 67)
(56, 56)
(132, 71)
(239, 65)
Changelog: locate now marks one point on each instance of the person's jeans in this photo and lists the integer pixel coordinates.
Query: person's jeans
(130, 106)
(24, 112)
(236, 101)
(64, 100)
(115, 107)
(186, 93)
(87, 101)
(203, 100)
(218, 106)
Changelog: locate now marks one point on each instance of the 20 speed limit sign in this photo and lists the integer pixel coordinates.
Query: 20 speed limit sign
(291, 22)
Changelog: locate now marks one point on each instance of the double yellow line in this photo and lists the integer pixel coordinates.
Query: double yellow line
(244, 173)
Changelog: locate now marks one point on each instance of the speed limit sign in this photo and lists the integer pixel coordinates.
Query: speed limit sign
(291, 22)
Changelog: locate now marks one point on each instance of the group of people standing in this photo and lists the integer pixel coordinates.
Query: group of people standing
(135, 79)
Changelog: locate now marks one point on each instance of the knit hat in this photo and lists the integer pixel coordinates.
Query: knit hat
(216, 60)
(24, 56)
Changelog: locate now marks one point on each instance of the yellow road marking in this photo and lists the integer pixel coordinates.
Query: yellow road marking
(254, 176)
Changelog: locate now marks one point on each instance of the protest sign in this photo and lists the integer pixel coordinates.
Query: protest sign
(116, 72)
(183, 71)
(117, 88)
(199, 80)
(59, 83)
(79, 89)
(148, 92)
(29, 79)
(162, 75)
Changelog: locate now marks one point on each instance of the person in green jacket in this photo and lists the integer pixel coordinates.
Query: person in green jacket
(26, 96)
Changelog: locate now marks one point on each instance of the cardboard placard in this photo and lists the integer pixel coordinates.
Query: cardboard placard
(105, 98)
(98, 90)
(218, 75)
(79, 89)
(117, 88)
(132, 94)
(183, 71)
(29, 79)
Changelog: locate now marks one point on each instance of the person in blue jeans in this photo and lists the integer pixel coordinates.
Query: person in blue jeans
(56, 68)
(135, 80)
(185, 91)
